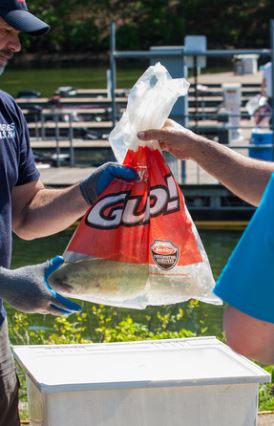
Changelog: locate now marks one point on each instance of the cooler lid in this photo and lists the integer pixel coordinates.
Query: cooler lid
(144, 364)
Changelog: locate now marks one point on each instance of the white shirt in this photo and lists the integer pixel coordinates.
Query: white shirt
(267, 75)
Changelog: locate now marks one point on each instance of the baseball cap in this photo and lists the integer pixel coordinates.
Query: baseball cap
(17, 15)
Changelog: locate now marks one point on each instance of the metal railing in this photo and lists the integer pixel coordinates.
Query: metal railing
(41, 127)
(180, 54)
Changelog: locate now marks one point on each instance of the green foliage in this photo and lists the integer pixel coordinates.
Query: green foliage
(83, 26)
(99, 323)
(266, 392)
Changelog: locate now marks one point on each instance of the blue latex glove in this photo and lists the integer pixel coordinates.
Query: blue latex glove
(247, 281)
(98, 181)
(27, 289)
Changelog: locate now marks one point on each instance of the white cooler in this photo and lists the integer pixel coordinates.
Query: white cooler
(176, 382)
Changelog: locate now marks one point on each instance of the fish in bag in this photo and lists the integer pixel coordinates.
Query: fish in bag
(137, 245)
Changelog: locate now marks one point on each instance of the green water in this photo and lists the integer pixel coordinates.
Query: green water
(46, 81)
(218, 246)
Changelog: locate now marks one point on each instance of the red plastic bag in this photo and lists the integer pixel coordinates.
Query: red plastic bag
(137, 245)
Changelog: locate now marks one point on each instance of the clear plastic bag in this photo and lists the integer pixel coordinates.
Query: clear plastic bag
(149, 104)
(138, 245)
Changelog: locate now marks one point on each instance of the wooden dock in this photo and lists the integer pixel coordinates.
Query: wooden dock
(86, 113)
(63, 176)
(65, 143)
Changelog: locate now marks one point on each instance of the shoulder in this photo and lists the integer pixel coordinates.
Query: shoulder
(8, 100)
(5, 97)
(9, 106)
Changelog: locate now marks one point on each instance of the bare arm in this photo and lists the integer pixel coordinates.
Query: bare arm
(245, 177)
(38, 211)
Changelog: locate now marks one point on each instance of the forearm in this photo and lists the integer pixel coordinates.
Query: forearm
(50, 211)
(38, 212)
(245, 177)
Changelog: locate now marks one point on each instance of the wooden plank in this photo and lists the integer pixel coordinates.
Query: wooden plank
(67, 110)
(77, 143)
(75, 124)
(64, 176)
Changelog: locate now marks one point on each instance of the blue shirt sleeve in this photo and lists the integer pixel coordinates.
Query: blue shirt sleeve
(247, 281)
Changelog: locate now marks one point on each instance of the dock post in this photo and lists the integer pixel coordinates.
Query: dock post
(43, 133)
(57, 138)
(113, 72)
(71, 147)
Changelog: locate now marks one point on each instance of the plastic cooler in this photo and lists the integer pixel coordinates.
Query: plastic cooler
(259, 137)
(193, 382)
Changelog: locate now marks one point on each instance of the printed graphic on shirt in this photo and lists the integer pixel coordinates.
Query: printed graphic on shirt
(7, 131)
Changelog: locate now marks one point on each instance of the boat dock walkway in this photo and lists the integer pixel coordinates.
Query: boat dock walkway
(65, 176)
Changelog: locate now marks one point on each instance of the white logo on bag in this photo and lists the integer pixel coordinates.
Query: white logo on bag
(121, 209)
(7, 131)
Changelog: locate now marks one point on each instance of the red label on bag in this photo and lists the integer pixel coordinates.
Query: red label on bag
(143, 221)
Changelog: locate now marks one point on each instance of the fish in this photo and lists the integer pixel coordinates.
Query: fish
(92, 278)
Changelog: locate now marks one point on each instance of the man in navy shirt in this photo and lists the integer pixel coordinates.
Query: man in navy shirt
(29, 209)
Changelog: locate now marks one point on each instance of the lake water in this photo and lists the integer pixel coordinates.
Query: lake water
(218, 245)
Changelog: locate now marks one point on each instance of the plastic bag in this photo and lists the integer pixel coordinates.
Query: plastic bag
(137, 245)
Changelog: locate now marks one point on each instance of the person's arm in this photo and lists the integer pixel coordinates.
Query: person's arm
(39, 211)
(246, 177)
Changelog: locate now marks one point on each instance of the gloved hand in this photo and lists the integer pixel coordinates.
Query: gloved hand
(92, 186)
(27, 289)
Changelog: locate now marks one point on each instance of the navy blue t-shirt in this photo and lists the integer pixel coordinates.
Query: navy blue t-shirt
(17, 167)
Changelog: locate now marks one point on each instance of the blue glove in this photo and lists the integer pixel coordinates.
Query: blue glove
(98, 181)
(27, 289)
(247, 281)
(69, 306)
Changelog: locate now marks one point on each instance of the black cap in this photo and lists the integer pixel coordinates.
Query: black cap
(16, 14)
